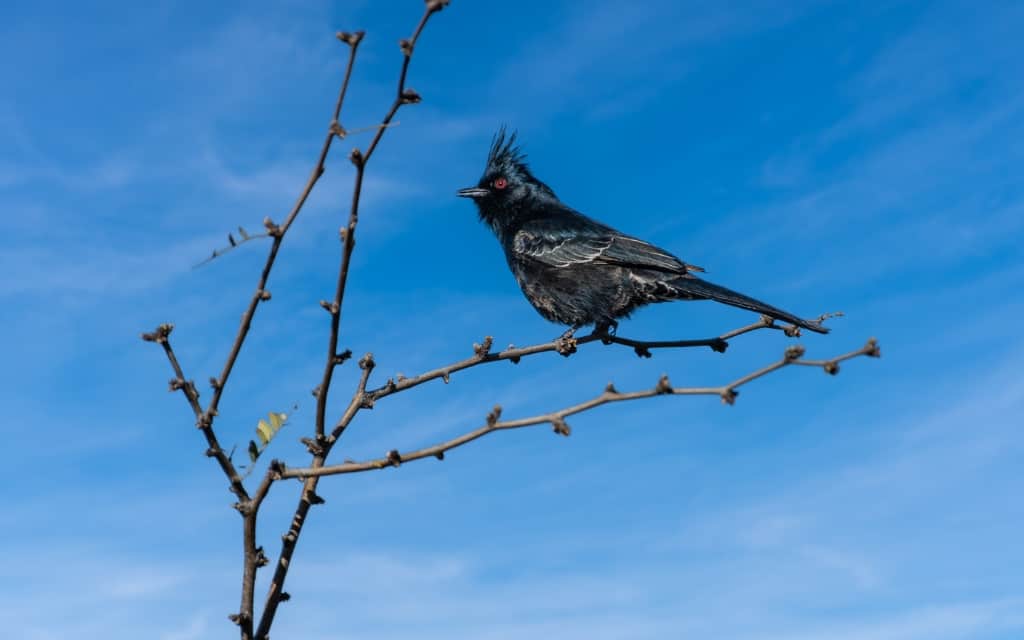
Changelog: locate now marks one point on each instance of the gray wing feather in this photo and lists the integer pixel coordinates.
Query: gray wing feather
(561, 247)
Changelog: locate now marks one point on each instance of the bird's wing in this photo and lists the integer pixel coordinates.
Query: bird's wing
(628, 251)
(560, 245)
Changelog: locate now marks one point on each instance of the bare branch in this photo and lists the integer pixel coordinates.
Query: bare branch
(727, 392)
(483, 355)
(321, 445)
(348, 233)
(161, 335)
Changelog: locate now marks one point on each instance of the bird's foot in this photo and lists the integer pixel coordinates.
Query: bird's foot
(606, 330)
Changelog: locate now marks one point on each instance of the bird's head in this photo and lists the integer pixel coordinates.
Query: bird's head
(507, 187)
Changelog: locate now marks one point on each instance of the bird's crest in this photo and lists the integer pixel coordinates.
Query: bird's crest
(507, 159)
(505, 154)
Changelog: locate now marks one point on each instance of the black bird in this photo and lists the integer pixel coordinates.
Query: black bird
(575, 270)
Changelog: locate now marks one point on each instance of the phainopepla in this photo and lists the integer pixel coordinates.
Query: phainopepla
(575, 270)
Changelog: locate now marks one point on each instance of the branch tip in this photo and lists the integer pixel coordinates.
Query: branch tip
(367, 362)
(351, 39)
(160, 334)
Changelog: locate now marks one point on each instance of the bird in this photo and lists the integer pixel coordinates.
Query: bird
(577, 271)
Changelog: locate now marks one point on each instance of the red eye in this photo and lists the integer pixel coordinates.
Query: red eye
(500, 183)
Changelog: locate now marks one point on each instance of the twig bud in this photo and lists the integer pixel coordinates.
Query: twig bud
(559, 426)
(356, 157)
(394, 458)
(663, 386)
(410, 96)
(159, 335)
(351, 39)
(793, 352)
(831, 368)
(406, 46)
(494, 415)
(481, 350)
(872, 349)
(729, 396)
(264, 295)
(367, 362)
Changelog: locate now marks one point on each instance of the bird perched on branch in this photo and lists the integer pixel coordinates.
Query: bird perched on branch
(575, 270)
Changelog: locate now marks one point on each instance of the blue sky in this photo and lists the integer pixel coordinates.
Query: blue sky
(821, 156)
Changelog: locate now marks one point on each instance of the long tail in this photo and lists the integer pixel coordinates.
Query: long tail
(690, 286)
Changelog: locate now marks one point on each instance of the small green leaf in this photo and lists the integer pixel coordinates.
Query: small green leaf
(264, 431)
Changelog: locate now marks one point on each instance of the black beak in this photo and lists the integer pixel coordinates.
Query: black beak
(472, 192)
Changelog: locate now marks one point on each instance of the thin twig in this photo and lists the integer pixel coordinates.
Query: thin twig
(482, 353)
(161, 335)
(320, 446)
(727, 392)
(232, 244)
